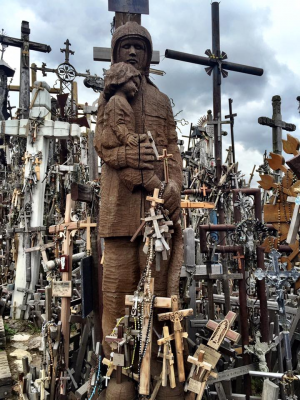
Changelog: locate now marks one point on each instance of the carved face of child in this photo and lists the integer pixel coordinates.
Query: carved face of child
(133, 51)
(131, 87)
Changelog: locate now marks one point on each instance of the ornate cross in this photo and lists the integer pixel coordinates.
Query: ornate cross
(222, 330)
(67, 51)
(176, 316)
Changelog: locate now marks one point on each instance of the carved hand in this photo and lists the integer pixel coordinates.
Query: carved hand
(171, 197)
(140, 159)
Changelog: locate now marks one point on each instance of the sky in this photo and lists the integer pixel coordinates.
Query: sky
(260, 33)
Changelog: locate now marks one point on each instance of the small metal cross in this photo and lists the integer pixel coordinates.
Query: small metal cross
(67, 51)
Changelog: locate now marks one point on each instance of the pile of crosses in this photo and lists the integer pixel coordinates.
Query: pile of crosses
(238, 312)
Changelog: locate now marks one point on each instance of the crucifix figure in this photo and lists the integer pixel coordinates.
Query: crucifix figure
(217, 65)
(277, 125)
(25, 46)
(231, 118)
(176, 316)
(260, 349)
(279, 279)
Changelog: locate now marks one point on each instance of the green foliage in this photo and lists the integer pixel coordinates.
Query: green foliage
(8, 330)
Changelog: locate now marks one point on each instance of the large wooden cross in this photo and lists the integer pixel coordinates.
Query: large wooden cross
(66, 228)
(276, 124)
(25, 46)
(176, 316)
(168, 358)
(217, 66)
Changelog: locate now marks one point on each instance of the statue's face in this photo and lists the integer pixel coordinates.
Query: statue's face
(131, 87)
(133, 51)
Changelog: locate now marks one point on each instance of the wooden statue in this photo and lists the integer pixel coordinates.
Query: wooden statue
(131, 170)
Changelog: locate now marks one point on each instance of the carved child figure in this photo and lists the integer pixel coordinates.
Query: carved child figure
(121, 84)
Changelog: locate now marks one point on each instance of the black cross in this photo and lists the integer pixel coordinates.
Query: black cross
(231, 117)
(217, 66)
(67, 50)
(25, 45)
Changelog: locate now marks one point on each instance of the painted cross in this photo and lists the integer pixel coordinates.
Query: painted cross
(222, 330)
(165, 156)
(176, 316)
(276, 124)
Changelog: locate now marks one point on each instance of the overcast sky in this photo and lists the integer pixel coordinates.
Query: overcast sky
(261, 33)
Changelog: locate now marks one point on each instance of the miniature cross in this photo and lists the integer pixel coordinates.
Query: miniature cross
(153, 217)
(168, 358)
(204, 187)
(67, 51)
(165, 156)
(176, 316)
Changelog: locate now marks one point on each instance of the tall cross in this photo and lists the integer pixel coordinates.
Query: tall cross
(276, 124)
(217, 66)
(25, 45)
(231, 118)
(67, 50)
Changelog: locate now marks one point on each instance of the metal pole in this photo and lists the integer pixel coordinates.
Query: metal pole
(215, 23)
(231, 130)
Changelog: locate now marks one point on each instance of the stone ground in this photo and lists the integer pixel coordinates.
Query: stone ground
(22, 339)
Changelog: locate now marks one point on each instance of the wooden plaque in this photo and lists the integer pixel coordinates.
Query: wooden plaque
(61, 288)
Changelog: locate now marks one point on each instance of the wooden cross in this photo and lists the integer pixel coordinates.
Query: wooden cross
(25, 45)
(153, 217)
(204, 187)
(295, 222)
(112, 367)
(239, 257)
(41, 381)
(37, 168)
(165, 156)
(222, 330)
(196, 204)
(160, 302)
(204, 360)
(176, 316)
(168, 358)
(276, 124)
(34, 97)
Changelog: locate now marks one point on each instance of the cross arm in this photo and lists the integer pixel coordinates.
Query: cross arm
(178, 55)
(274, 123)
(183, 313)
(9, 41)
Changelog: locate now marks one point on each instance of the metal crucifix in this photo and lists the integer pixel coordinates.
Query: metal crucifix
(217, 66)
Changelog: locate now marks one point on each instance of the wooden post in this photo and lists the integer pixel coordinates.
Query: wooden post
(67, 276)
